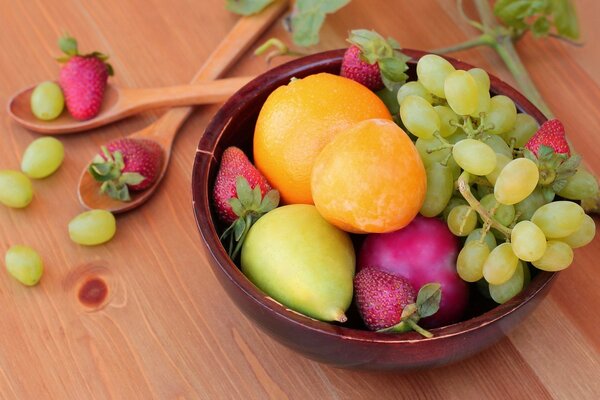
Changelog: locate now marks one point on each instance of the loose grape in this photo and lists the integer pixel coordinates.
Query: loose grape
(498, 145)
(24, 264)
(516, 181)
(505, 291)
(559, 219)
(501, 115)
(47, 101)
(419, 117)
(528, 241)
(16, 190)
(526, 207)
(462, 220)
(414, 88)
(501, 161)
(582, 185)
(471, 258)
(440, 186)
(525, 127)
(42, 157)
(504, 214)
(500, 264)
(474, 156)
(448, 120)
(558, 256)
(92, 227)
(583, 235)
(461, 92)
(488, 239)
(432, 71)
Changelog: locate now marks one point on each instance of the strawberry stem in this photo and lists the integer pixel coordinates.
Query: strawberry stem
(415, 327)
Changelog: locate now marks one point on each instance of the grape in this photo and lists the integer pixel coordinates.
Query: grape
(498, 145)
(481, 77)
(24, 264)
(471, 258)
(582, 185)
(462, 220)
(42, 157)
(488, 239)
(416, 89)
(457, 136)
(15, 189)
(440, 186)
(483, 91)
(504, 214)
(516, 181)
(432, 71)
(447, 117)
(559, 218)
(500, 264)
(558, 256)
(461, 92)
(528, 241)
(429, 158)
(502, 115)
(47, 101)
(454, 202)
(526, 207)
(474, 156)
(525, 127)
(583, 235)
(483, 190)
(92, 227)
(419, 117)
(501, 161)
(505, 291)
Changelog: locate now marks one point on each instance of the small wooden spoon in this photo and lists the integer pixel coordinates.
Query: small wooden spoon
(163, 130)
(119, 103)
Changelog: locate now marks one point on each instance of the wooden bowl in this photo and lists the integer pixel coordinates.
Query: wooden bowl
(349, 345)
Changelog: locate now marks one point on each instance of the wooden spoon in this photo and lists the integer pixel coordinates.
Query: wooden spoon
(119, 103)
(163, 130)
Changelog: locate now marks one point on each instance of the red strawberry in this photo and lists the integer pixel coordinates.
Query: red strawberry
(550, 134)
(373, 61)
(127, 164)
(83, 79)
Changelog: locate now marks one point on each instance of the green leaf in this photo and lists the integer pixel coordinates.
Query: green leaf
(68, 45)
(246, 7)
(131, 178)
(570, 165)
(256, 197)
(530, 156)
(236, 206)
(308, 17)
(238, 229)
(548, 193)
(565, 19)
(244, 192)
(428, 299)
(400, 327)
(541, 27)
(559, 184)
(269, 202)
(545, 152)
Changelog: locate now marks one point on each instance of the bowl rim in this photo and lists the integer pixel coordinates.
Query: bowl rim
(201, 199)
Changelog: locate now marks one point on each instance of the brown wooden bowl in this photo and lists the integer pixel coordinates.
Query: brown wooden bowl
(349, 345)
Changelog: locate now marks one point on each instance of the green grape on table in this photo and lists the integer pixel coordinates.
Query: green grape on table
(432, 71)
(440, 186)
(488, 238)
(498, 145)
(469, 264)
(414, 88)
(462, 220)
(505, 291)
(448, 120)
(582, 185)
(42, 157)
(526, 207)
(92, 227)
(24, 264)
(528, 241)
(500, 264)
(516, 181)
(460, 89)
(558, 256)
(419, 117)
(474, 156)
(503, 213)
(16, 190)
(525, 127)
(501, 115)
(483, 91)
(584, 235)
(559, 219)
(47, 101)
(501, 161)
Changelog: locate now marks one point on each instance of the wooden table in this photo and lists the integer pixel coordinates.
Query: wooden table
(168, 330)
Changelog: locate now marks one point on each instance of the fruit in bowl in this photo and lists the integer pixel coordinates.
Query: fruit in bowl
(471, 216)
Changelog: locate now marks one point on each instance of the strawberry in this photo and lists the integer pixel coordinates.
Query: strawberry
(550, 134)
(241, 196)
(374, 61)
(386, 302)
(82, 79)
(127, 164)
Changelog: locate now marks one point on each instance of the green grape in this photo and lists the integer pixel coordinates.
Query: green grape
(516, 181)
(414, 88)
(498, 145)
(503, 213)
(47, 101)
(488, 239)
(501, 161)
(432, 71)
(559, 219)
(419, 117)
(461, 92)
(500, 264)
(448, 120)
(483, 190)
(24, 264)
(483, 91)
(526, 207)
(471, 258)
(16, 190)
(481, 77)
(440, 186)
(42, 157)
(583, 235)
(462, 220)
(92, 227)
(582, 185)
(528, 241)
(558, 256)
(525, 127)
(502, 115)
(474, 156)
(457, 136)
(454, 202)
(513, 286)
(429, 157)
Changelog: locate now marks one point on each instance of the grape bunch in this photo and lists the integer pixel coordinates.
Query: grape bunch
(502, 183)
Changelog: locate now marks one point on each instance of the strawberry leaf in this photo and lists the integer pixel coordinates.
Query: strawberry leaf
(308, 17)
(236, 206)
(68, 45)
(530, 156)
(244, 192)
(428, 299)
(239, 228)
(269, 202)
(256, 197)
(548, 193)
(131, 178)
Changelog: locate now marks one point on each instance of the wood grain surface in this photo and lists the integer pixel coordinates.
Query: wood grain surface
(166, 329)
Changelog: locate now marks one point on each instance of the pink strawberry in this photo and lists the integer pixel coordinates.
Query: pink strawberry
(127, 164)
(83, 79)
(550, 134)
(374, 61)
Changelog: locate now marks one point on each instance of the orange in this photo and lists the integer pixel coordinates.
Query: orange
(297, 120)
(370, 178)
